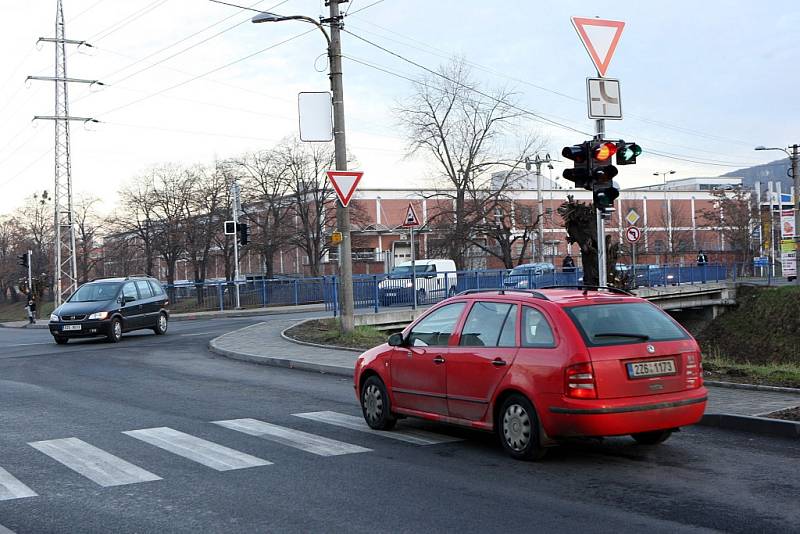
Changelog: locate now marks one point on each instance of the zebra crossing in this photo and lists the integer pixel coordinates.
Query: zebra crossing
(106, 469)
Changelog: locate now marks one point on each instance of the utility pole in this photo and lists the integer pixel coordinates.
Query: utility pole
(795, 158)
(66, 268)
(236, 208)
(340, 149)
(540, 201)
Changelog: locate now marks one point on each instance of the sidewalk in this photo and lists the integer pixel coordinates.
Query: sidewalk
(263, 343)
(249, 312)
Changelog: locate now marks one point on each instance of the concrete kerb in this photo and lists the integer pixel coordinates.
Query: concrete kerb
(310, 344)
(754, 424)
(752, 387)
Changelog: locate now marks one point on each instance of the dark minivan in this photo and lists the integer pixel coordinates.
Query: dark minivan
(109, 307)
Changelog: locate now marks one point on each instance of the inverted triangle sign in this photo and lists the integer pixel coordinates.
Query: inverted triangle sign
(600, 37)
(345, 183)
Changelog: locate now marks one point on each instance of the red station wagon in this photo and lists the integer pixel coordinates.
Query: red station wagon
(537, 367)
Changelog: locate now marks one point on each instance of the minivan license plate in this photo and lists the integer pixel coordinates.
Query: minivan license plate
(71, 327)
(653, 368)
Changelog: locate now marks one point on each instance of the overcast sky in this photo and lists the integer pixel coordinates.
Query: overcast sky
(703, 82)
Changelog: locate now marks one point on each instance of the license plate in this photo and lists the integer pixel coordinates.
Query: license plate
(68, 327)
(652, 368)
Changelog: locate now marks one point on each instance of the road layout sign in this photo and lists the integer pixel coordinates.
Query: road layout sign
(633, 234)
(345, 183)
(600, 38)
(603, 98)
(411, 217)
(632, 217)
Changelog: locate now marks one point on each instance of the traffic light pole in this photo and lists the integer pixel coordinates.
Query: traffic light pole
(602, 275)
(236, 205)
(30, 278)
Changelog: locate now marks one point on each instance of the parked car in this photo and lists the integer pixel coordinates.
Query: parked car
(109, 307)
(537, 367)
(434, 278)
(527, 274)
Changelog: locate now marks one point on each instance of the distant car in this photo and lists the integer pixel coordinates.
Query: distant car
(434, 278)
(109, 307)
(538, 367)
(527, 274)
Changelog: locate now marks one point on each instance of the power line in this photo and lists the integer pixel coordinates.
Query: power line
(363, 8)
(128, 19)
(79, 15)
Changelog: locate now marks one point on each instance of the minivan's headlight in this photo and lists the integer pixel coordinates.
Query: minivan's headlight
(99, 315)
(54, 317)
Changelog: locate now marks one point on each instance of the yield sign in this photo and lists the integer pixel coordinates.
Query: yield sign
(345, 183)
(600, 37)
(411, 217)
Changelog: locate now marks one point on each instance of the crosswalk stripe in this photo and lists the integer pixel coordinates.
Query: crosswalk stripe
(196, 449)
(11, 488)
(95, 464)
(409, 435)
(292, 438)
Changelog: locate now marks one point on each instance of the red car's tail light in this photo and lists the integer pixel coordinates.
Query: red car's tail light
(694, 370)
(579, 381)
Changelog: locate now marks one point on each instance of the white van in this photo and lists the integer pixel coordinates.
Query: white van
(435, 280)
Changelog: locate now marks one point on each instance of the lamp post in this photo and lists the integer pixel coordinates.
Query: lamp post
(334, 43)
(669, 208)
(794, 158)
(539, 200)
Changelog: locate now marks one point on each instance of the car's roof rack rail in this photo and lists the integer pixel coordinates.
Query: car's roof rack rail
(585, 288)
(502, 291)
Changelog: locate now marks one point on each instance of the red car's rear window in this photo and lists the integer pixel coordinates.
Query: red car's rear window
(616, 324)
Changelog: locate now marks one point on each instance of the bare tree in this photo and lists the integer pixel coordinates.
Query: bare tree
(733, 215)
(35, 220)
(171, 188)
(463, 127)
(581, 225)
(502, 229)
(87, 225)
(267, 204)
(137, 217)
(205, 211)
(312, 197)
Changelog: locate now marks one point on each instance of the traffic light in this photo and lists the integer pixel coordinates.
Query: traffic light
(580, 174)
(601, 169)
(627, 153)
(604, 195)
(243, 233)
(23, 260)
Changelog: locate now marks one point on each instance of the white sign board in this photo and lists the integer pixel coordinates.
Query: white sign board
(787, 224)
(344, 184)
(600, 38)
(411, 217)
(603, 98)
(316, 117)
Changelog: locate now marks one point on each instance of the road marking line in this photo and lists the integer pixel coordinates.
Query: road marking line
(4, 530)
(196, 334)
(95, 464)
(29, 345)
(197, 449)
(292, 438)
(11, 488)
(409, 435)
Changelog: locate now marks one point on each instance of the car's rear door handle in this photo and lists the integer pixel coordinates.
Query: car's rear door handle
(498, 362)
(438, 360)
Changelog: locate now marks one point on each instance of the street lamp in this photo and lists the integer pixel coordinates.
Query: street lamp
(794, 158)
(669, 207)
(333, 40)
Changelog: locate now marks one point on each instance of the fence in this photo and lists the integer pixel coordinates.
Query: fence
(384, 290)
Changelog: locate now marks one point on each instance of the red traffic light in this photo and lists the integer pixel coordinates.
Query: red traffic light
(604, 151)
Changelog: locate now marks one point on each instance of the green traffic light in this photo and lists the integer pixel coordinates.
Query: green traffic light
(627, 153)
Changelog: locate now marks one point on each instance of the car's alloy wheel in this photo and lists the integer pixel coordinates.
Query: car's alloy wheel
(115, 334)
(518, 429)
(375, 405)
(161, 325)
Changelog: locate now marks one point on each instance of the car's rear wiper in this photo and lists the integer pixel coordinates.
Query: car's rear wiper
(643, 337)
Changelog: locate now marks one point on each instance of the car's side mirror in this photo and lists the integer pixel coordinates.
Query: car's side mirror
(395, 340)
(127, 298)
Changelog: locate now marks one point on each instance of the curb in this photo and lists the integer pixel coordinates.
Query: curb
(278, 362)
(758, 425)
(752, 387)
(310, 344)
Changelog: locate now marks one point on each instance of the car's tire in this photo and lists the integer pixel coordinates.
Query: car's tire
(652, 438)
(518, 429)
(61, 340)
(162, 324)
(375, 405)
(114, 331)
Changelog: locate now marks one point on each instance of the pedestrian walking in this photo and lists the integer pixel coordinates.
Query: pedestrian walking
(702, 261)
(30, 310)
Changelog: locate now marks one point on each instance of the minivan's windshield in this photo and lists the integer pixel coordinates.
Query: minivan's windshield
(405, 270)
(615, 324)
(96, 292)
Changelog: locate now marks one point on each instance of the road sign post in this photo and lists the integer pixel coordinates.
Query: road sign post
(410, 222)
(633, 234)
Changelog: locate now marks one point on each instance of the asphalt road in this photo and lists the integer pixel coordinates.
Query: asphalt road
(160, 480)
